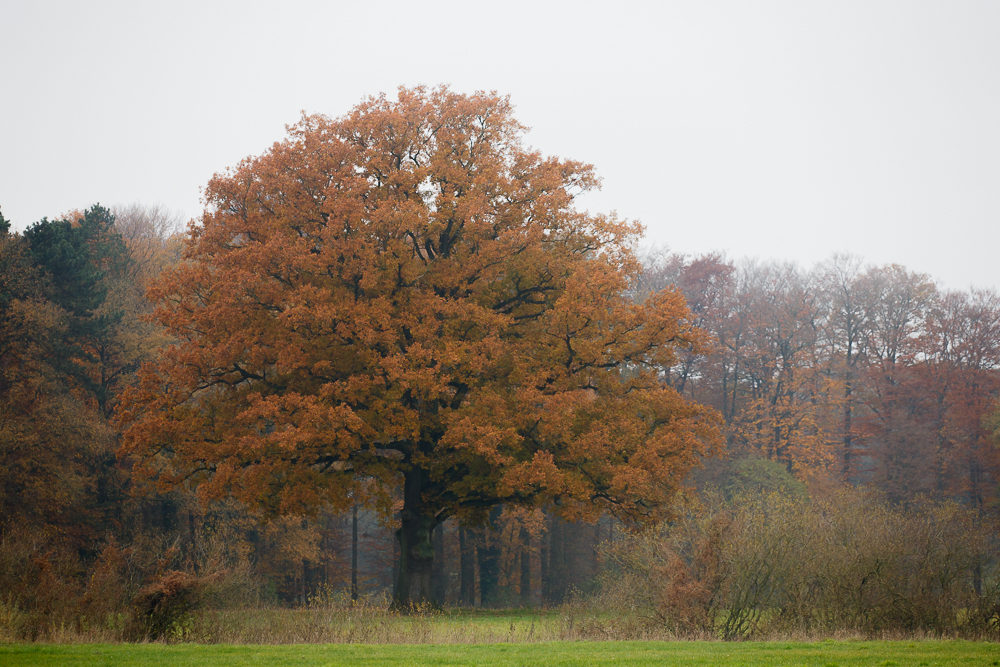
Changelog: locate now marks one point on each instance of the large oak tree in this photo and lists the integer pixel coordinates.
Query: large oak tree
(405, 300)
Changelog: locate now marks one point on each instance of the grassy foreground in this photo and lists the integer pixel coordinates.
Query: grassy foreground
(818, 654)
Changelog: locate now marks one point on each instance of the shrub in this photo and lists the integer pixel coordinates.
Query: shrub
(135, 592)
(770, 562)
(162, 609)
(40, 585)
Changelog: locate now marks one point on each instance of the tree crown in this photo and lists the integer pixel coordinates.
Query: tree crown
(408, 291)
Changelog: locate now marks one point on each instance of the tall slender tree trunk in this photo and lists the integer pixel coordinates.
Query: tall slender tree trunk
(439, 580)
(525, 584)
(848, 434)
(193, 537)
(395, 563)
(488, 557)
(557, 581)
(354, 552)
(416, 547)
(303, 598)
(545, 581)
(595, 549)
(467, 568)
(941, 465)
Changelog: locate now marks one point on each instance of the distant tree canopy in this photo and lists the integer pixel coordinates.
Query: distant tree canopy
(845, 373)
(70, 337)
(406, 295)
(55, 448)
(75, 256)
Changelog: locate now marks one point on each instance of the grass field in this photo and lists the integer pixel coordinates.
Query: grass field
(366, 634)
(682, 654)
(369, 624)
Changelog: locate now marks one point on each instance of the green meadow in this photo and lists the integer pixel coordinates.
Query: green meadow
(570, 654)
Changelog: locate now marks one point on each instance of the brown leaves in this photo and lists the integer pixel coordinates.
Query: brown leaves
(410, 279)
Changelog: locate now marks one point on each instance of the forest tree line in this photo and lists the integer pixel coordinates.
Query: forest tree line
(841, 375)
(847, 374)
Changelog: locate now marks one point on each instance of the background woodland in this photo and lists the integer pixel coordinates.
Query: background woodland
(841, 378)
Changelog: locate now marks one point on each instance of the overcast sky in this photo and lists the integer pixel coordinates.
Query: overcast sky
(786, 130)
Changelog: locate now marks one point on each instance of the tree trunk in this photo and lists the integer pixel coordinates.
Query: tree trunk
(525, 568)
(488, 555)
(467, 567)
(303, 598)
(354, 552)
(193, 554)
(557, 580)
(848, 434)
(595, 552)
(439, 578)
(545, 582)
(416, 548)
(395, 563)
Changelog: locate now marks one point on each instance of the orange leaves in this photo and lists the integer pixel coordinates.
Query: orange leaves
(407, 292)
(797, 424)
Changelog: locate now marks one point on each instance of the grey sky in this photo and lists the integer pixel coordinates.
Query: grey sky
(785, 130)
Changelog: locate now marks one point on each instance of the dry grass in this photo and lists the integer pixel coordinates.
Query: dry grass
(370, 622)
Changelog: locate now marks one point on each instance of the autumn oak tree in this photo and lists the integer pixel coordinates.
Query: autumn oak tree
(405, 298)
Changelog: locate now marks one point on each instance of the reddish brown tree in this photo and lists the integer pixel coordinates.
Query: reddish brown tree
(407, 295)
(959, 374)
(845, 332)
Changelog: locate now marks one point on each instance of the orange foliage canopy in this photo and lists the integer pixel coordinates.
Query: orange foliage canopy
(407, 295)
